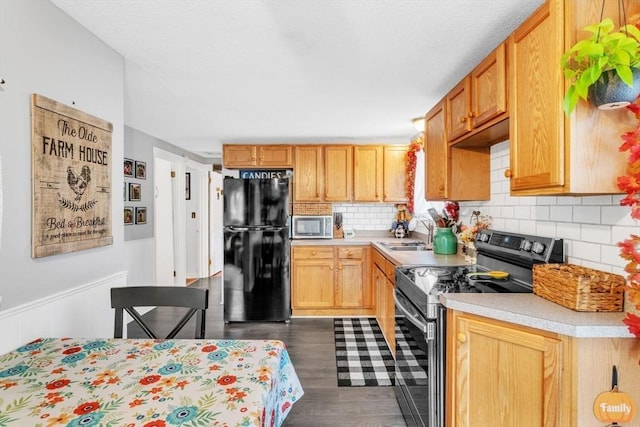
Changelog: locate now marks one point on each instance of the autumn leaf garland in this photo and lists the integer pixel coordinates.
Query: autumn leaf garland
(630, 248)
(414, 147)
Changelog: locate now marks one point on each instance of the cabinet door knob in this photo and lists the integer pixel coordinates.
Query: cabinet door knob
(461, 337)
(463, 119)
(507, 173)
(313, 252)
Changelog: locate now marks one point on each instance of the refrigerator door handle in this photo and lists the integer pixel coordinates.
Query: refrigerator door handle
(233, 228)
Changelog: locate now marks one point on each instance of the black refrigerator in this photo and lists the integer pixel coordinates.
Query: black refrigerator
(256, 250)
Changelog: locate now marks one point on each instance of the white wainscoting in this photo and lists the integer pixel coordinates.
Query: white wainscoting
(82, 312)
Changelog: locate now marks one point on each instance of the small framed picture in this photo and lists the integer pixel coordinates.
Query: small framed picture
(128, 167)
(128, 215)
(141, 215)
(135, 192)
(141, 170)
(124, 191)
(187, 181)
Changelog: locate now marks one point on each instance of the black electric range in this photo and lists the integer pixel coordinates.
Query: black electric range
(497, 251)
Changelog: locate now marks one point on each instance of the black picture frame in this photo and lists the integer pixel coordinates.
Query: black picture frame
(128, 167)
(141, 170)
(141, 215)
(187, 182)
(128, 215)
(135, 192)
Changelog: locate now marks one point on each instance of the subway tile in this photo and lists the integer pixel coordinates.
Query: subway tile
(507, 212)
(619, 234)
(611, 255)
(527, 227)
(522, 212)
(541, 213)
(617, 215)
(547, 200)
(568, 231)
(597, 266)
(586, 214)
(587, 251)
(561, 213)
(595, 233)
(596, 200)
(545, 228)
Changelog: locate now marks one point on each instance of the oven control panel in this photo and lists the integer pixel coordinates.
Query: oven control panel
(532, 248)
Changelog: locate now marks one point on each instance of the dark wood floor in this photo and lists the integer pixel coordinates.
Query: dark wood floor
(311, 348)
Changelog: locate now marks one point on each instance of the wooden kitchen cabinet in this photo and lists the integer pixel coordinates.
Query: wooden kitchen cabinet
(368, 174)
(312, 277)
(501, 374)
(395, 174)
(352, 290)
(338, 173)
(453, 173)
(308, 167)
(267, 156)
(383, 273)
(479, 101)
(331, 280)
(552, 153)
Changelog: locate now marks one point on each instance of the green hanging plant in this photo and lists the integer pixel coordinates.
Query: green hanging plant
(586, 61)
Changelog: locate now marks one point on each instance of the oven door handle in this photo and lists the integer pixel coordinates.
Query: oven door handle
(413, 318)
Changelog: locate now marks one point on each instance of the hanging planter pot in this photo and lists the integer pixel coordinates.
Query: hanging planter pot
(610, 92)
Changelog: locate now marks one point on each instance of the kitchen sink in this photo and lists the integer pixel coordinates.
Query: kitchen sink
(406, 246)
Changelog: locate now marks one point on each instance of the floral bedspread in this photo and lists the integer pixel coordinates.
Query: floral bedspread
(144, 382)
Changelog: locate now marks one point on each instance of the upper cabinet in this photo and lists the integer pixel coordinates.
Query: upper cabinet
(552, 153)
(367, 173)
(338, 173)
(476, 108)
(266, 156)
(395, 174)
(308, 184)
(453, 173)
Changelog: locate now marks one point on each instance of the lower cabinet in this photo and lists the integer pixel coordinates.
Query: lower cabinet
(383, 272)
(502, 374)
(331, 281)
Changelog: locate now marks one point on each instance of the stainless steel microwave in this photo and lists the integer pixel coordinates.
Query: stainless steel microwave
(312, 227)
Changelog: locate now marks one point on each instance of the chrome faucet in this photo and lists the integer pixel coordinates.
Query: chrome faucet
(429, 224)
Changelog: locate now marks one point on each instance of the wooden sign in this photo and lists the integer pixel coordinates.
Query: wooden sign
(71, 179)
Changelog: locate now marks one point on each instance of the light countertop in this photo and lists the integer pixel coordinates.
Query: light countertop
(521, 309)
(405, 258)
(536, 312)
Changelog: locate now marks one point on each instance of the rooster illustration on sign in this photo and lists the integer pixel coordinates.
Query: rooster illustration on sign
(78, 182)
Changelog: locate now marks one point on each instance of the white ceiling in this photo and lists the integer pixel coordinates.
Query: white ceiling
(202, 72)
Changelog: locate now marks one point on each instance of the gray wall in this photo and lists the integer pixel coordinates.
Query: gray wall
(139, 146)
(44, 51)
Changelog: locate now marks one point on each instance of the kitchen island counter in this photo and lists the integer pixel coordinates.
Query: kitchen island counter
(536, 312)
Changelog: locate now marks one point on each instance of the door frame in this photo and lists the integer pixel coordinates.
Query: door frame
(179, 211)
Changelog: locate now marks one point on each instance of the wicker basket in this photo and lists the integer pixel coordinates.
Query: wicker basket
(579, 288)
(312, 209)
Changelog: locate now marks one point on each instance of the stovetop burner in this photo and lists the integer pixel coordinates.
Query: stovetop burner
(499, 251)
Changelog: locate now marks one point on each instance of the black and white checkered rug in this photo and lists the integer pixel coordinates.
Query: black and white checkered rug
(364, 359)
(362, 355)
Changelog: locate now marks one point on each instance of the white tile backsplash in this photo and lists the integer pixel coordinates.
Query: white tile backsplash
(591, 226)
(367, 216)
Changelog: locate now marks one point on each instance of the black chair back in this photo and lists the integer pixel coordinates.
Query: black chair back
(127, 298)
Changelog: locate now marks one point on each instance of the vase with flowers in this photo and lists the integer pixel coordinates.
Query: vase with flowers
(468, 234)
